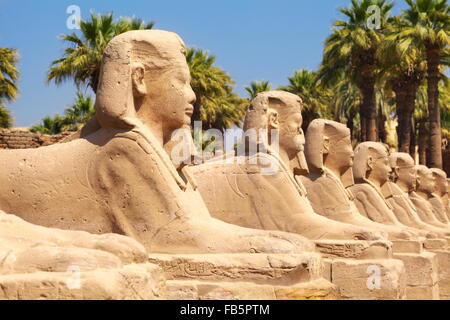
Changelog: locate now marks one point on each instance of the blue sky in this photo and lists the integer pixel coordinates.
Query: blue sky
(252, 39)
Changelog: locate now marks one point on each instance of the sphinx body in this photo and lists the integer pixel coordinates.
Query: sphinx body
(330, 158)
(259, 190)
(118, 177)
(403, 182)
(371, 170)
(420, 197)
(439, 198)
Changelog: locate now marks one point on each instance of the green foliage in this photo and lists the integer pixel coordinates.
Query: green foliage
(82, 59)
(257, 87)
(352, 46)
(6, 120)
(74, 117)
(315, 98)
(79, 113)
(49, 125)
(9, 75)
(216, 106)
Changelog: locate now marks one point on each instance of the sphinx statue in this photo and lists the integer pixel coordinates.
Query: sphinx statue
(239, 191)
(425, 186)
(118, 176)
(403, 183)
(439, 198)
(329, 155)
(371, 171)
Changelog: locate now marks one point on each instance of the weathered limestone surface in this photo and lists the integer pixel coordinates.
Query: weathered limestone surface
(44, 263)
(245, 276)
(357, 279)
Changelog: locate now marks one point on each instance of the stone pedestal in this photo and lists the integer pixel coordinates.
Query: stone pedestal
(352, 265)
(245, 276)
(422, 268)
(354, 249)
(443, 257)
(371, 279)
(131, 282)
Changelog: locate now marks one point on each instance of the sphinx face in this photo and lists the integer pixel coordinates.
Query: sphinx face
(441, 184)
(171, 96)
(427, 181)
(408, 177)
(340, 155)
(292, 138)
(381, 170)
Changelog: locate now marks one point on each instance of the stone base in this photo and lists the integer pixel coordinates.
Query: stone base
(245, 276)
(421, 275)
(443, 257)
(208, 290)
(143, 281)
(367, 279)
(407, 246)
(435, 244)
(354, 249)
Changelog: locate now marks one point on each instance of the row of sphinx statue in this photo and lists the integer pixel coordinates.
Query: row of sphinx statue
(116, 176)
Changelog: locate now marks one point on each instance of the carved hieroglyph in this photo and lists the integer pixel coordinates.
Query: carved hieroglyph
(239, 191)
(330, 155)
(371, 170)
(119, 178)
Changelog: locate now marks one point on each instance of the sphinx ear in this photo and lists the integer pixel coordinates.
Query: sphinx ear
(395, 171)
(370, 163)
(137, 78)
(273, 119)
(326, 145)
(417, 180)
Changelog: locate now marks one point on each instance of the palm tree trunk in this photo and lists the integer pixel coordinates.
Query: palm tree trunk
(196, 115)
(400, 101)
(405, 92)
(381, 124)
(350, 123)
(423, 137)
(412, 145)
(434, 159)
(368, 109)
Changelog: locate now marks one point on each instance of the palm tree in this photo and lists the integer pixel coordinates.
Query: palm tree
(9, 76)
(304, 84)
(79, 113)
(257, 87)
(345, 102)
(428, 28)
(403, 68)
(216, 105)
(6, 120)
(352, 48)
(82, 59)
(49, 125)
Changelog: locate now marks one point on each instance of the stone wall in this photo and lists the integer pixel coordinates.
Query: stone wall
(24, 139)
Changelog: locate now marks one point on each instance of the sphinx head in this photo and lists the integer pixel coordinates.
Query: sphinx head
(277, 113)
(404, 170)
(144, 79)
(425, 180)
(372, 162)
(441, 181)
(328, 144)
